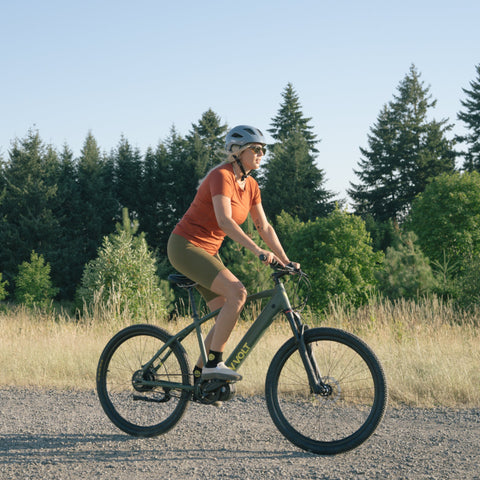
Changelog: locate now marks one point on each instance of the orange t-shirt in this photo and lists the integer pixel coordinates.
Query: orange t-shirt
(199, 224)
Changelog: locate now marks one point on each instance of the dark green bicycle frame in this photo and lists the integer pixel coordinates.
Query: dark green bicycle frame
(278, 302)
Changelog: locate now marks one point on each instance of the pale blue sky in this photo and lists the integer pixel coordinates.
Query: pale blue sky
(137, 68)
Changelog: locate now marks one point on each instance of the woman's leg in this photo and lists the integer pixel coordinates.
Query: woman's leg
(212, 305)
(232, 296)
(228, 286)
(234, 293)
(221, 289)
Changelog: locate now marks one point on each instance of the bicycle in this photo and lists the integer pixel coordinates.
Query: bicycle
(325, 389)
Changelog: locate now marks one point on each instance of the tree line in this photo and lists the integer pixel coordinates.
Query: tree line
(63, 207)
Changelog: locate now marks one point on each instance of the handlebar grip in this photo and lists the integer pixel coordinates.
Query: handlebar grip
(273, 264)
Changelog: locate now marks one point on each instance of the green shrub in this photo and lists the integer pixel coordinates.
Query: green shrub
(123, 276)
(468, 283)
(406, 272)
(254, 275)
(337, 254)
(33, 286)
(3, 291)
(446, 217)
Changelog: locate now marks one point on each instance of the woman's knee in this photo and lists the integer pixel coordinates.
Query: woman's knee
(239, 293)
(230, 287)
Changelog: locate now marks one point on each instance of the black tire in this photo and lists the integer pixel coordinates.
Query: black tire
(142, 411)
(337, 422)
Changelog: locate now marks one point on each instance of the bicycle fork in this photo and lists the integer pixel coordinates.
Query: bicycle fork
(317, 386)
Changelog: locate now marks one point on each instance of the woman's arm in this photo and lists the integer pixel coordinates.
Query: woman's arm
(222, 206)
(223, 212)
(267, 232)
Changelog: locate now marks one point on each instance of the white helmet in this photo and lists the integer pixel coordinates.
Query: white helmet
(242, 135)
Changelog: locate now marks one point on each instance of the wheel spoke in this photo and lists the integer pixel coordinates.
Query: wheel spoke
(345, 416)
(121, 377)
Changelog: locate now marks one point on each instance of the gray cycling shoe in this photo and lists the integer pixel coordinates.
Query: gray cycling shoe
(220, 372)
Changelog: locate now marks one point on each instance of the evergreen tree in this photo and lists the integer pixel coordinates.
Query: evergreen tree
(97, 203)
(67, 264)
(290, 119)
(127, 163)
(156, 214)
(28, 199)
(207, 141)
(406, 151)
(291, 181)
(122, 278)
(33, 286)
(405, 272)
(183, 180)
(471, 117)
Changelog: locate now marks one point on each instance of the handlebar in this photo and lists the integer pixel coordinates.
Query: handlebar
(287, 269)
(280, 271)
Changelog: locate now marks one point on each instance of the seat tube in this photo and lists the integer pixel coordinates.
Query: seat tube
(198, 327)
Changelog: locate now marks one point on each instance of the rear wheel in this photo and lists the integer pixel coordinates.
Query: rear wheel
(127, 391)
(351, 404)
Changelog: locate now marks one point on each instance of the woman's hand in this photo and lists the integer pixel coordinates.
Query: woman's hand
(268, 257)
(295, 265)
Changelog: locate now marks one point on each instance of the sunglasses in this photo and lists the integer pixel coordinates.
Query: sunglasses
(258, 150)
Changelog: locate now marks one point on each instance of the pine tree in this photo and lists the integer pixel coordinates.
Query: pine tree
(128, 176)
(29, 197)
(97, 202)
(406, 151)
(122, 278)
(206, 142)
(290, 180)
(290, 119)
(67, 264)
(156, 214)
(33, 286)
(183, 180)
(471, 117)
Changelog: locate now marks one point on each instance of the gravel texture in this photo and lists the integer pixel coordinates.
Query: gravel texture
(65, 435)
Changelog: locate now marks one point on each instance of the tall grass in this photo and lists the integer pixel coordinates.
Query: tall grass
(430, 351)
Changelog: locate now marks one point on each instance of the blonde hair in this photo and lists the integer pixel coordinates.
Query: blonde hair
(229, 157)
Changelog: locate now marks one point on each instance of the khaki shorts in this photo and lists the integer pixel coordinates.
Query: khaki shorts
(195, 263)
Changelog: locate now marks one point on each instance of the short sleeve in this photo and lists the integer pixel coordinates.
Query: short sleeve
(221, 183)
(256, 196)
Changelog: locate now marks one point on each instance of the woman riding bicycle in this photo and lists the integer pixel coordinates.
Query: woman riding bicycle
(223, 201)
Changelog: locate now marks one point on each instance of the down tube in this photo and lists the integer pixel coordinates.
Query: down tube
(276, 304)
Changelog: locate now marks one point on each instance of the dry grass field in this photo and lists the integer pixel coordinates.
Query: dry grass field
(430, 352)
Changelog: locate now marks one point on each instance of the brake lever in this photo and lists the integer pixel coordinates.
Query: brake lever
(291, 268)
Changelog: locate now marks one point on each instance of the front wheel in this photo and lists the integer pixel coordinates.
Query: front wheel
(347, 408)
(127, 389)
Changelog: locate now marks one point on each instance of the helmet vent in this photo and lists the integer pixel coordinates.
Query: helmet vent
(250, 131)
(237, 135)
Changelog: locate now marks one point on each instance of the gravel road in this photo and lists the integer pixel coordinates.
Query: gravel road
(65, 435)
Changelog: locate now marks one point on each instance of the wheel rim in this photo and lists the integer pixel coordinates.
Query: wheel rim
(135, 407)
(343, 415)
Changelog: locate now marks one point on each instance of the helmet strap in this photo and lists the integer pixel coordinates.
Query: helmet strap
(244, 173)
